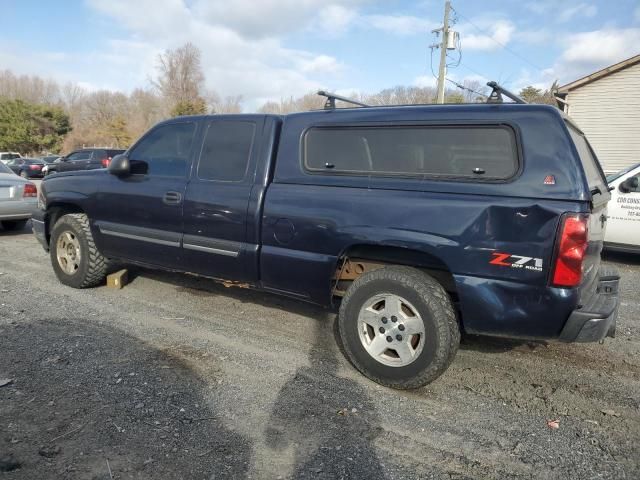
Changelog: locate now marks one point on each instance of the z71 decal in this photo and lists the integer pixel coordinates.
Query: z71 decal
(516, 261)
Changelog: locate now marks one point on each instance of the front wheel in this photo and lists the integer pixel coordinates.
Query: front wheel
(398, 327)
(74, 256)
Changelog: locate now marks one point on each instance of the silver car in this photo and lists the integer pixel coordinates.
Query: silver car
(18, 198)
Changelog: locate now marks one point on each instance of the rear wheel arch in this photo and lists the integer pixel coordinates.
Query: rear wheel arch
(361, 258)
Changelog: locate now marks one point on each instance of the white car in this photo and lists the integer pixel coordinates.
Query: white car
(623, 222)
(6, 156)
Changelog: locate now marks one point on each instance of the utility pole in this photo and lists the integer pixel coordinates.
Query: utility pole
(442, 72)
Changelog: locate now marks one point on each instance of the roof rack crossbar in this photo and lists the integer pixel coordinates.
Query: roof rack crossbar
(497, 92)
(330, 104)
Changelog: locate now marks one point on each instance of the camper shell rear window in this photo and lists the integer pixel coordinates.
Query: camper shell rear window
(476, 152)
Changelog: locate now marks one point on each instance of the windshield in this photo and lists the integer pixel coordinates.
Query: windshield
(614, 176)
(4, 168)
(10, 156)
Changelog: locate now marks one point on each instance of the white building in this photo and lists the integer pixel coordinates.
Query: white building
(606, 106)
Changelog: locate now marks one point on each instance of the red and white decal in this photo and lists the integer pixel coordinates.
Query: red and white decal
(516, 261)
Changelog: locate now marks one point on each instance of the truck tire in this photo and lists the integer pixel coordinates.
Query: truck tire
(398, 327)
(11, 225)
(74, 256)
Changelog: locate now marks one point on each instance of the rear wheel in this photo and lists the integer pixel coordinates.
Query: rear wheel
(398, 327)
(74, 256)
(11, 225)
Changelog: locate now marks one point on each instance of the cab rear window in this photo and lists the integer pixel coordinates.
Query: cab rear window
(476, 152)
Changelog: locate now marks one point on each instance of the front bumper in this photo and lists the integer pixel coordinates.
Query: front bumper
(596, 318)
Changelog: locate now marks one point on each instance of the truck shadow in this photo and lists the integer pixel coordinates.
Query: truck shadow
(83, 393)
(205, 287)
(620, 257)
(15, 233)
(328, 421)
(488, 344)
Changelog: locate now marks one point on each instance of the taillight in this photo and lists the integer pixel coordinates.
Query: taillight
(572, 248)
(30, 190)
(35, 167)
(105, 162)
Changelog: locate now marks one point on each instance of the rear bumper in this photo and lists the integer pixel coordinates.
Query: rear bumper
(596, 318)
(17, 210)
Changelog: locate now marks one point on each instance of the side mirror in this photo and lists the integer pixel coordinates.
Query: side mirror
(119, 165)
(629, 185)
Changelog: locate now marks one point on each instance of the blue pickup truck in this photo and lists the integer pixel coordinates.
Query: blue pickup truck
(416, 223)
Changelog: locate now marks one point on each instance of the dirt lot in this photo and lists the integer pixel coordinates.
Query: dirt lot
(177, 377)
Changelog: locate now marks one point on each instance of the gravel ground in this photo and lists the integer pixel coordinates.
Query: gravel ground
(178, 377)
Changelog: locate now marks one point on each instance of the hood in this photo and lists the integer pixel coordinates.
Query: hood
(77, 173)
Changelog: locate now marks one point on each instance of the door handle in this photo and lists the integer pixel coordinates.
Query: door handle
(172, 198)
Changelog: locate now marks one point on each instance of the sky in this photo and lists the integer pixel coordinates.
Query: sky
(272, 49)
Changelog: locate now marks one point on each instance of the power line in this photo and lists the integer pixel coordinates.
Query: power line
(454, 82)
(431, 64)
(513, 52)
(465, 88)
(458, 63)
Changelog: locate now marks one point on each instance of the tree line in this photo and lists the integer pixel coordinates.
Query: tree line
(40, 115)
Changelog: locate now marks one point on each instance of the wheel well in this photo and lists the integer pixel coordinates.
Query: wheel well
(360, 259)
(57, 210)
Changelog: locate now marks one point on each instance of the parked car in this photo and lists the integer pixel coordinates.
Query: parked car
(6, 156)
(623, 224)
(416, 223)
(51, 164)
(17, 199)
(85, 159)
(27, 167)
